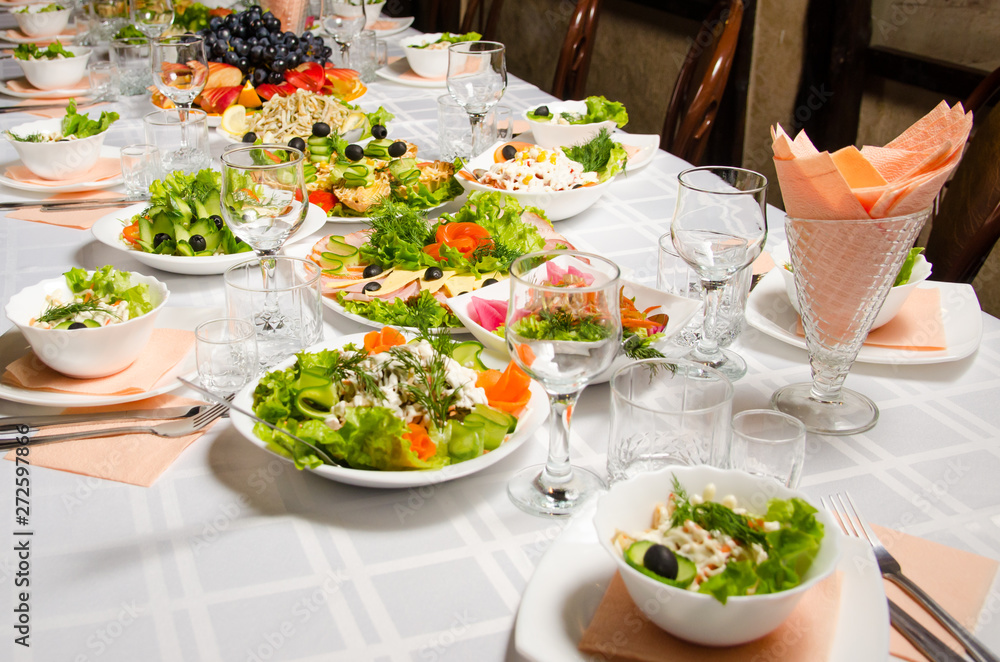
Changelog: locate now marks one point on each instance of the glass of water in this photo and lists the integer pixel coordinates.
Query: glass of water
(141, 166)
(226, 353)
(769, 443)
(132, 57)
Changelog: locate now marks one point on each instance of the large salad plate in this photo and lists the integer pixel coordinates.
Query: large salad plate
(13, 346)
(769, 311)
(108, 231)
(400, 72)
(530, 420)
(107, 151)
(570, 580)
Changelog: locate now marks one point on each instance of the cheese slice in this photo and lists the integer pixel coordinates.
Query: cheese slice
(467, 283)
(856, 169)
(399, 278)
(332, 284)
(433, 286)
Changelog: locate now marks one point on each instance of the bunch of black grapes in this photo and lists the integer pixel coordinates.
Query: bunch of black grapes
(253, 41)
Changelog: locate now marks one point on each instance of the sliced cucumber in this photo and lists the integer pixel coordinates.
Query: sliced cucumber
(184, 248)
(686, 569)
(467, 353)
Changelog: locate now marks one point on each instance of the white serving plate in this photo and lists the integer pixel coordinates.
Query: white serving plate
(648, 144)
(13, 346)
(108, 231)
(769, 311)
(77, 93)
(401, 23)
(530, 420)
(21, 38)
(394, 72)
(107, 151)
(570, 580)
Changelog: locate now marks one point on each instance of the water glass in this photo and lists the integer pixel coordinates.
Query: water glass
(182, 138)
(673, 275)
(455, 132)
(284, 306)
(132, 58)
(141, 166)
(368, 55)
(104, 82)
(226, 354)
(667, 412)
(768, 443)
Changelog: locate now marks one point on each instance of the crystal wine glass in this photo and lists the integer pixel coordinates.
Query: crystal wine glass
(151, 17)
(563, 329)
(344, 23)
(477, 78)
(719, 227)
(180, 68)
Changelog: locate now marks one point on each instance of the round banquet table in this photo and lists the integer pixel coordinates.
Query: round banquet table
(234, 555)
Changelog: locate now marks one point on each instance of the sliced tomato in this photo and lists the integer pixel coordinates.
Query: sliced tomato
(323, 199)
(131, 233)
(464, 237)
(434, 250)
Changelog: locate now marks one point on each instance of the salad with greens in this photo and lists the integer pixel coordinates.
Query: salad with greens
(131, 35)
(47, 8)
(447, 39)
(719, 548)
(599, 109)
(74, 126)
(106, 296)
(54, 51)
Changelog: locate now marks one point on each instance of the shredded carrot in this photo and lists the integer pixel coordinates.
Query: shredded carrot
(380, 341)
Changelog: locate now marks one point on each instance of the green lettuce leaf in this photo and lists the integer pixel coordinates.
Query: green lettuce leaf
(421, 311)
(380, 116)
(599, 109)
(81, 126)
(905, 271)
(736, 579)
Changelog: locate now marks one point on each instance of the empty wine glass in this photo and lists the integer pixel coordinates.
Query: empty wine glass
(344, 23)
(719, 227)
(151, 17)
(563, 329)
(180, 68)
(477, 78)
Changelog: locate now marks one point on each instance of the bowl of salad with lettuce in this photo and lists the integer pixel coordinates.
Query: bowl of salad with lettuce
(89, 324)
(427, 54)
(716, 557)
(61, 148)
(54, 67)
(561, 181)
(385, 410)
(43, 20)
(563, 123)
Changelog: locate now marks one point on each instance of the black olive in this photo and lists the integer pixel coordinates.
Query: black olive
(508, 152)
(661, 560)
(77, 325)
(372, 270)
(297, 143)
(197, 242)
(238, 240)
(354, 152)
(490, 281)
(397, 149)
(372, 287)
(433, 273)
(250, 137)
(160, 238)
(321, 129)
(379, 132)
(542, 111)
(215, 218)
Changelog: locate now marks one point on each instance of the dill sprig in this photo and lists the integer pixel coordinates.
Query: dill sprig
(504, 254)
(396, 221)
(350, 364)
(30, 138)
(561, 324)
(56, 313)
(593, 155)
(638, 347)
(713, 516)
(431, 379)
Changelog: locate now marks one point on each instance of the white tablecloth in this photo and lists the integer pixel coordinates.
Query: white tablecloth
(233, 555)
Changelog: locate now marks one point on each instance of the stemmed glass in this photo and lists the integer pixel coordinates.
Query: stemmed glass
(344, 24)
(719, 227)
(563, 329)
(477, 78)
(180, 68)
(151, 17)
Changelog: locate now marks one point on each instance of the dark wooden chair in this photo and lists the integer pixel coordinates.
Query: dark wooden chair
(967, 224)
(438, 16)
(577, 49)
(479, 18)
(702, 82)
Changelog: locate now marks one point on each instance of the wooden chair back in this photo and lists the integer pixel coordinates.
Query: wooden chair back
(578, 47)
(482, 20)
(702, 82)
(967, 224)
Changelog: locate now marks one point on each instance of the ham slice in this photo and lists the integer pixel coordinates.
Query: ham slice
(551, 237)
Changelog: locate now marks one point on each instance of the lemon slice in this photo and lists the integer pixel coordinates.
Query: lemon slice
(234, 120)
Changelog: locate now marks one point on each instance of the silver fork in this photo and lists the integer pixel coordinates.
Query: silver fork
(170, 429)
(852, 523)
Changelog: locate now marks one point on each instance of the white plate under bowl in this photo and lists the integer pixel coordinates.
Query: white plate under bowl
(399, 24)
(769, 311)
(570, 580)
(108, 231)
(107, 151)
(394, 71)
(648, 144)
(80, 94)
(18, 37)
(530, 420)
(13, 346)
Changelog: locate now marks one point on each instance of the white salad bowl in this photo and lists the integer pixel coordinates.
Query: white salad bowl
(550, 134)
(426, 62)
(893, 302)
(36, 23)
(84, 353)
(59, 73)
(60, 160)
(372, 11)
(699, 617)
(557, 205)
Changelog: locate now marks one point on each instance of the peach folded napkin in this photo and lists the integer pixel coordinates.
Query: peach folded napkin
(917, 326)
(167, 348)
(82, 219)
(22, 85)
(66, 37)
(619, 632)
(51, 113)
(105, 168)
(763, 264)
(136, 459)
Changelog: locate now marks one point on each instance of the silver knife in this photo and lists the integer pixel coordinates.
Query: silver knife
(56, 204)
(222, 401)
(921, 638)
(16, 426)
(45, 106)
